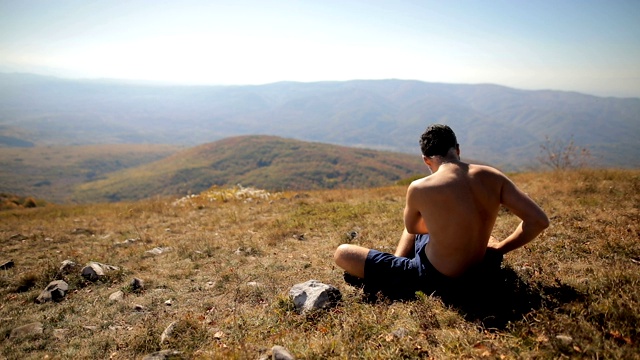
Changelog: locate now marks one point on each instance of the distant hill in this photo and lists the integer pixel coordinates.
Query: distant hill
(265, 162)
(500, 125)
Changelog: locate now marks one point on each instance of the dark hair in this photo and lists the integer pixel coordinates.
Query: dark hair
(438, 139)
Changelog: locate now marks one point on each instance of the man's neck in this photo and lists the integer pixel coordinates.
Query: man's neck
(437, 163)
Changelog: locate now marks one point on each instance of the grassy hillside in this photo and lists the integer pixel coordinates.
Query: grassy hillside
(265, 162)
(52, 172)
(572, 293)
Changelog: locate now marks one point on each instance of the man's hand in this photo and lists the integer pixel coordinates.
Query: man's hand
(493, 255)
(493, 244)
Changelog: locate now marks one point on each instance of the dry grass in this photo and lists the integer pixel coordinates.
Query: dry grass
(580, 279)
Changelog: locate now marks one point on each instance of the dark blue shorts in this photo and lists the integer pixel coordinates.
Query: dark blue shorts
(403, 276)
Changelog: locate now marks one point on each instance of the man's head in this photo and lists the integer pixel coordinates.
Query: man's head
(437, 140)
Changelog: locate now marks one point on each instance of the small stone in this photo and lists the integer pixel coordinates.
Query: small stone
(139, 308)
(90, 327)
(137, 284)
(95, 270)
(6, 265)
(168, 332)
(117, 296)
(127, 242)
(314, 295)
(168, 302)
(163, 355)
(253, 284)
(67, 266)
(108, 268)
(565, 339)
(82, 231)
(526, 269)
(55, 291)
(400, 333)
(157, 251)
(92, 272)
(48, 239)
(32, 329)
(280, 353)
(18, 237)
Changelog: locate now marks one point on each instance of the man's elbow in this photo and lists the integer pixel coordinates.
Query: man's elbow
(410, 229)
(542, 222)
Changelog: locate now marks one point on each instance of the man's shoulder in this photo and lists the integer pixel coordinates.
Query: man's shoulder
(421, 182)
(485, 169)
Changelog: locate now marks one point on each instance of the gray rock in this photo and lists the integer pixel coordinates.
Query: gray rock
(164, 355)
(6, 265)
(55, 291)
(168, 332)
(82, 231)
(92, 272)
(137, 284)
(565, 339)
(280, 353)
(18, 237)
(157, 251)
(32, 329)
(314, 295)
(117, 296)
(95, 270)
(67, 266)
(127, 242)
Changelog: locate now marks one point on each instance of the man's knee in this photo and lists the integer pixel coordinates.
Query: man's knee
(341, 255)
(351, 258)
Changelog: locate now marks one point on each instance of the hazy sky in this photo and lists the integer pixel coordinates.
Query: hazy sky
(578, 45)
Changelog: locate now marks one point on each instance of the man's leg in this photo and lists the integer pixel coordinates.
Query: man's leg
(351, 258)
(406, 245)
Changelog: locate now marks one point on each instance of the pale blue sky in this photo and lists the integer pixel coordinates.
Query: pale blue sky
(575, 45)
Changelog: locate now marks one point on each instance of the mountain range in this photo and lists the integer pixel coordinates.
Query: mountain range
(504, 127)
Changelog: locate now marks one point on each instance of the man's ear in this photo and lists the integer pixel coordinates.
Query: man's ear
(458, 150)
(426, 161)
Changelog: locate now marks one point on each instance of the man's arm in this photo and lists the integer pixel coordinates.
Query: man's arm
(534, 220)
(413, 221)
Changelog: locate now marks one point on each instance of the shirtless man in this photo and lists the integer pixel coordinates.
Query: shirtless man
(448, 217)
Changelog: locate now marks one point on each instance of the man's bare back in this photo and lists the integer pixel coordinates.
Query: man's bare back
(457, 206)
